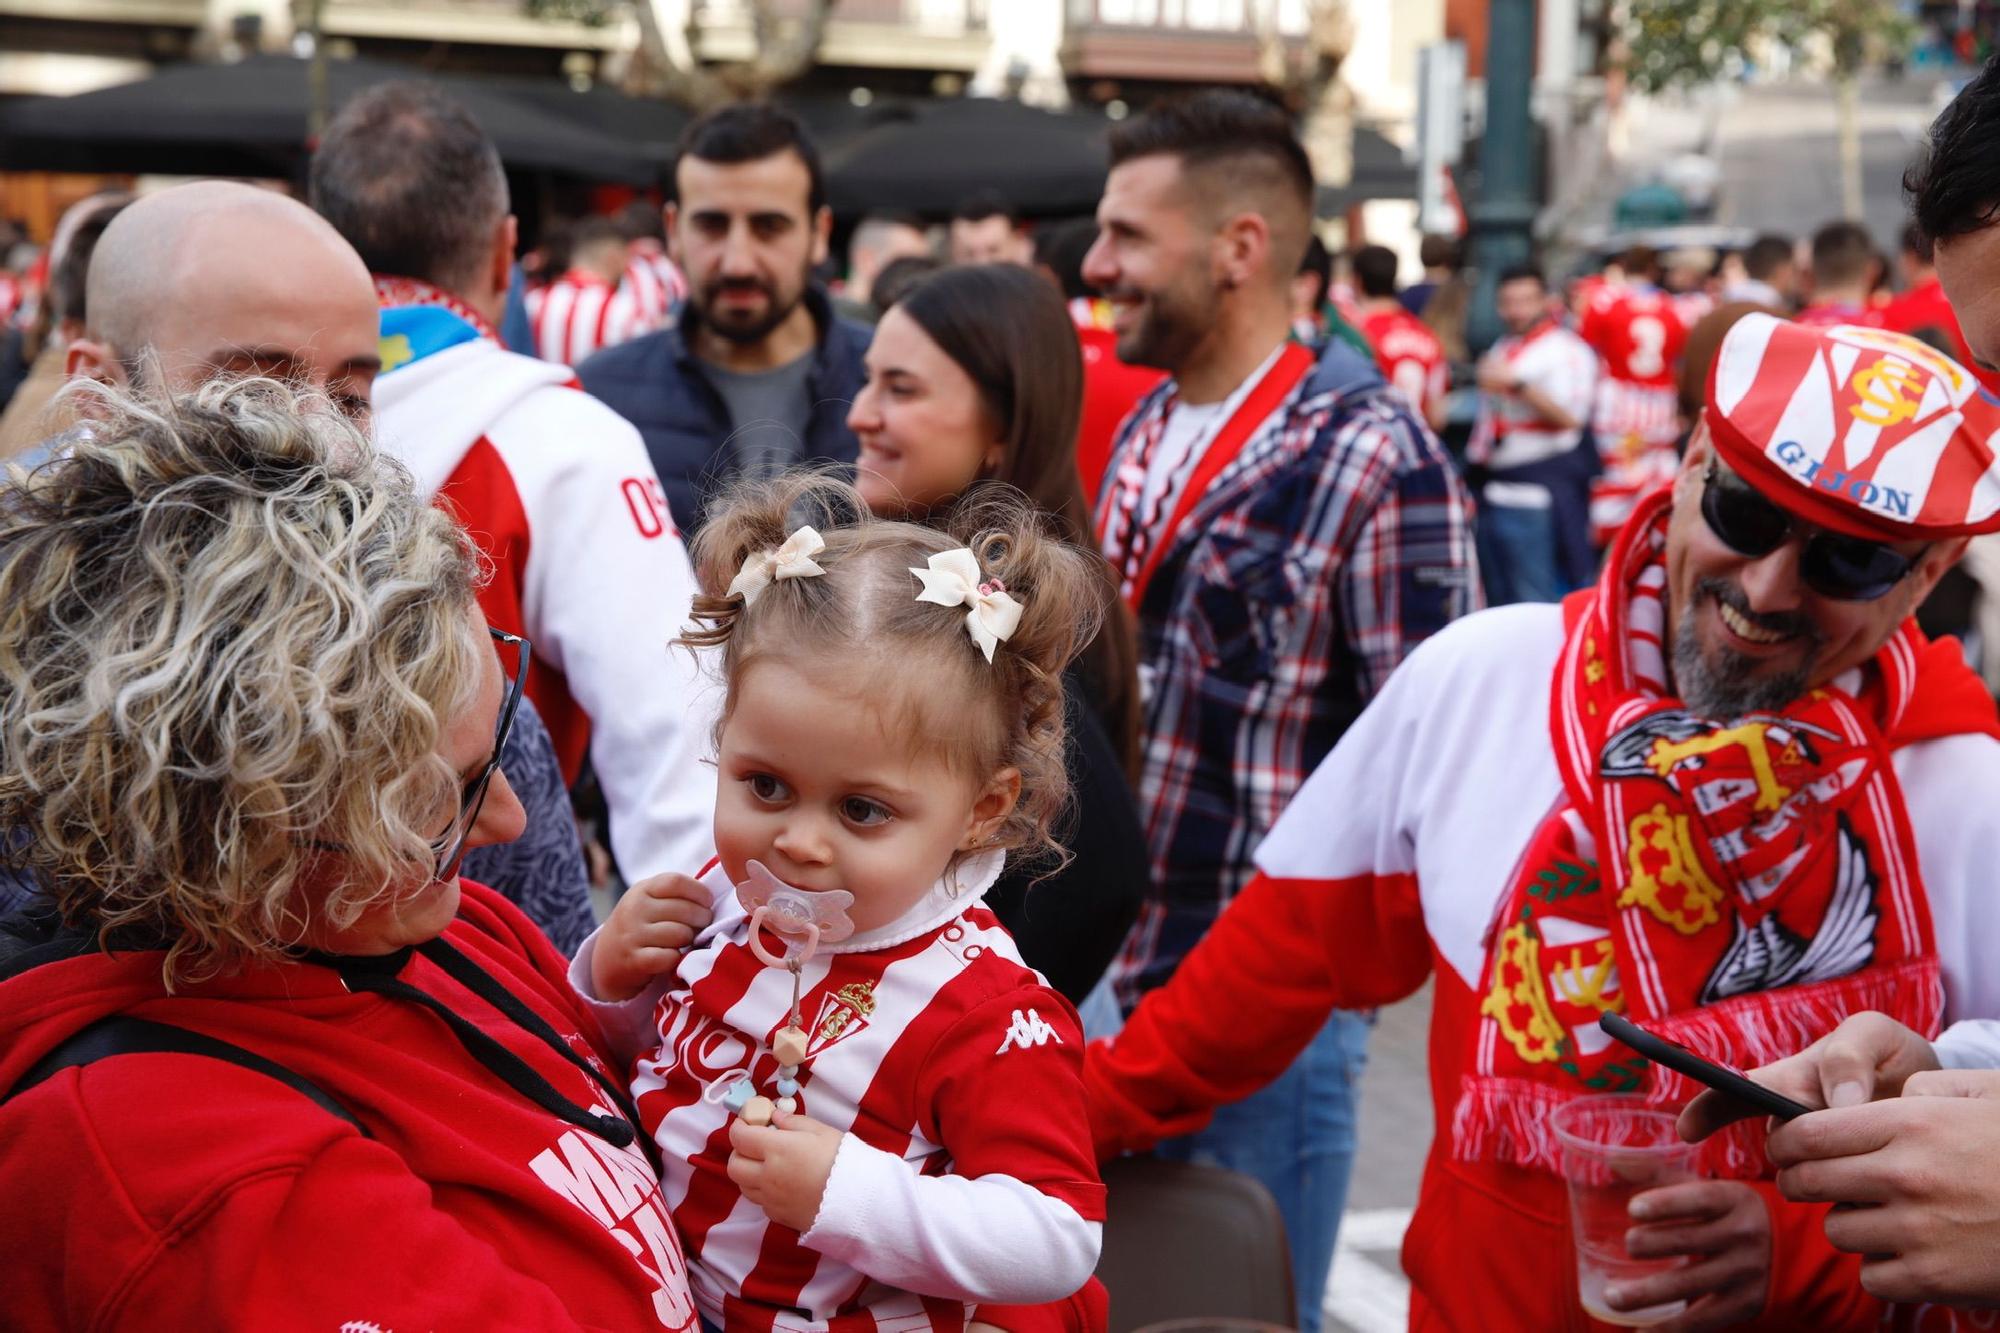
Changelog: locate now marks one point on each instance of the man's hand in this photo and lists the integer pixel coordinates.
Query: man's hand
(651, 925)
(1929, 1164)
(1725, 1228)
(1495, 377)
(783, 1167)
(1866, 1057)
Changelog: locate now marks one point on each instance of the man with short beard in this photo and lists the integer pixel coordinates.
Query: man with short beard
(1285, 530)
(759, 372)
(1731, 792)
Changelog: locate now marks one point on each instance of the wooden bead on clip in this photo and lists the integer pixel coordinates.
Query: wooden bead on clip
(789, 1046)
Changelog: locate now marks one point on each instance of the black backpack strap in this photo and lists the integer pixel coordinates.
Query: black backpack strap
(121, 1034)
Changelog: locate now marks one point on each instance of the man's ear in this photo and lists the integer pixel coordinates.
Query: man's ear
(88, 358)
(1700, 450)
(500, 271)
(822, 234)
(671, 216)
(1243, 250)
(1931, 566)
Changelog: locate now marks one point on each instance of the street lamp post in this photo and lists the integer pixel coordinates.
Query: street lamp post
(1504, 218)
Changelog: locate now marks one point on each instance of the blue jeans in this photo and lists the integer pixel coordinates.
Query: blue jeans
(1517, 554)
(1297, 1136)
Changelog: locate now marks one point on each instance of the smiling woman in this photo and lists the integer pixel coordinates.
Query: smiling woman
(249, 718)
(975, 377)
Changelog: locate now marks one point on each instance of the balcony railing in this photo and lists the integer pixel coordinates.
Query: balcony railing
(1215, 17)
(940, 17)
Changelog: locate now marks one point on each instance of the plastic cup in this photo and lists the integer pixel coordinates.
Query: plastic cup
(1613, 1148)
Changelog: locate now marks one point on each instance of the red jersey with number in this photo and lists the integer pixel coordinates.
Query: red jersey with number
(1411, 357)
(1635, 417)
(1638, 336)
(559, 494)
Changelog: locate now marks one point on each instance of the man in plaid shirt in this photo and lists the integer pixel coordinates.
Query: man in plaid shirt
(1285, 530)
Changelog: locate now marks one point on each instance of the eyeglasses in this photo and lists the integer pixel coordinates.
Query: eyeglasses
(449, 847)
(1846, 569)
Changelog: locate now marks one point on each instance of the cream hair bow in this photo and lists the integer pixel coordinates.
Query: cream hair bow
(953, 580)
(793, 560)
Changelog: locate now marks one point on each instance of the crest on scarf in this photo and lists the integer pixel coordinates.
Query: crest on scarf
(1553, 977)
(1769, 955)
(1757, 800)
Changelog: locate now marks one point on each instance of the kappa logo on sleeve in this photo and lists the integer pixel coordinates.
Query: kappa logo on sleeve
(1027, 1030)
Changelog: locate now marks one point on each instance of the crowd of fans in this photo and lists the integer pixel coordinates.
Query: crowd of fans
(1037, 696)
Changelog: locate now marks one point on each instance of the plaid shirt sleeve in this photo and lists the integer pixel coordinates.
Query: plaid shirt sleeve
(1410, 568)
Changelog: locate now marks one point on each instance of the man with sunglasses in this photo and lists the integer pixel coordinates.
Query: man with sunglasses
(1731, 792)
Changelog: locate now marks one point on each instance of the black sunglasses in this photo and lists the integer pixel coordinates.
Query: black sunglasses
(449, 848)
(1846, 569)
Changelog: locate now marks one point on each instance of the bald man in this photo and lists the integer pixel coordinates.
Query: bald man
(1285, 530)
(216, 277)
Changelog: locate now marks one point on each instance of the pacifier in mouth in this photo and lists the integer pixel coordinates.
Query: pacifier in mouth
(803, 918)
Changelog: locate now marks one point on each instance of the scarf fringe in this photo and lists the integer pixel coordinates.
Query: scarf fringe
(1508, 1119)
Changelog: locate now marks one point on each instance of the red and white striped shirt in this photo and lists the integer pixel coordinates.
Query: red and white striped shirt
(657, 284)
(966, 1175)
(580, 313)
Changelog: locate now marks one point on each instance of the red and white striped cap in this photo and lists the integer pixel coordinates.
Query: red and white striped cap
(1863, 431)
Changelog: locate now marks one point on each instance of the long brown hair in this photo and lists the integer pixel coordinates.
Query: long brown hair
(1008, 329)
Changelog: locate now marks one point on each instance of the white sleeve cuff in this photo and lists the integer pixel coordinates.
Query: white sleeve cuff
(627, 1024)
(1971, 1044)
(994, 1240)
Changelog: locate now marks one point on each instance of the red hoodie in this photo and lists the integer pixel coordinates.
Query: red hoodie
(171, 1190)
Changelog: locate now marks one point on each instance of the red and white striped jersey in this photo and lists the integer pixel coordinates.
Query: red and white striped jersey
(580, 313)
(1637, 429)
(658, 286)
(942, 1056)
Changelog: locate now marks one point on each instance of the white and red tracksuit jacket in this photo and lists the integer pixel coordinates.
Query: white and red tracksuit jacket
(1387, 871)
(559, 494)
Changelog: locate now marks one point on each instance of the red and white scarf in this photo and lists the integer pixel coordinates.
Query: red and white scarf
(1739, 888)
(1136, 535)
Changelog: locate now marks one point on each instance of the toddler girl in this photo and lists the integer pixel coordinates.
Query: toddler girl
(870, 1111)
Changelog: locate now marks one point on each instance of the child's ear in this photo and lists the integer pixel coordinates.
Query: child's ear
(990, 811)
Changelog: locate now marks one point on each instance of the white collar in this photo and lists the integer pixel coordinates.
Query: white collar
(958, 890)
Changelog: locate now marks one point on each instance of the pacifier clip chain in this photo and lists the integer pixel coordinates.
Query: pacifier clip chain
(803, 920)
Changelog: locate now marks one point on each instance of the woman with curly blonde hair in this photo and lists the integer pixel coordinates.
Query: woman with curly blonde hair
(267, 1061)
